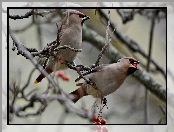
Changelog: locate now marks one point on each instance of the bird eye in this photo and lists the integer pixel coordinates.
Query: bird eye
(81, 16)
(131, 61)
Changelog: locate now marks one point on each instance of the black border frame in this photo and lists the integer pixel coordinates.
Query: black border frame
(8, 8)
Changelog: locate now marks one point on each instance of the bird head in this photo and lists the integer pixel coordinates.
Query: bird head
(130, 63)
(75, 16)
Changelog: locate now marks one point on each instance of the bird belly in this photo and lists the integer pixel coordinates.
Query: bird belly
(59, 66)
(92, 91)
(108, 85)
(111, 87)
(68, 55)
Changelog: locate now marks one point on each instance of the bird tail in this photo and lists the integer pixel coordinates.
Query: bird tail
(41, 76)
(39, 79)
(78, 94)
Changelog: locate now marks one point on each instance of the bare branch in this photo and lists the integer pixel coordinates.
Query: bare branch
(129, 15)
(148, 66)
(106, 42)
(67, 47)
(114, 55)
(62, 96)
(30, 13)
(131, 43)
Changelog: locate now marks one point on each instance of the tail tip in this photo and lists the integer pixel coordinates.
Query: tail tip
(36, 82)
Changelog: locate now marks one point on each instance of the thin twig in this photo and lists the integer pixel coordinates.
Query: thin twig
(114, 55)
(131, 43)
(38, 112)
(39, 31)
(106, 42)
(148, 66)
(129, 15)
(30, 13)
(63, 96)
(29, 78)
(78, 70)
(67, 47)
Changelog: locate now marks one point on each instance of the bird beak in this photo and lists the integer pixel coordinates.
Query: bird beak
(135, 64)
(133, 68)
(86, 18)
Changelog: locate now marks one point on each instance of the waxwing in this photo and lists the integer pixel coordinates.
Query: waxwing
(107, 79)
(71, 35)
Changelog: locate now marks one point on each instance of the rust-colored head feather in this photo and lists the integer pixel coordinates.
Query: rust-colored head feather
(74, 16)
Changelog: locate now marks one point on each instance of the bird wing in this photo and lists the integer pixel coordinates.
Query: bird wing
(100, 67)
(96, 69)
(41, 61)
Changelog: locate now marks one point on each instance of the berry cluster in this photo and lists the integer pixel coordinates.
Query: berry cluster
(62, 75)
(97, 120)
(99, 124)
(99, 128)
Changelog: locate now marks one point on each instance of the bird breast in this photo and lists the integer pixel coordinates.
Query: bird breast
(72, 37)
(107, 80)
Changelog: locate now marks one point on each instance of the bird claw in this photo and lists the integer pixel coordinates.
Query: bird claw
(91, 83)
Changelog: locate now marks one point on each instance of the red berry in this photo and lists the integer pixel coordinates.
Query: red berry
(96, 127)
(98, 123)
(95, 119)
(66, 77)
(104, 129)
(60, 73)
(103, 121)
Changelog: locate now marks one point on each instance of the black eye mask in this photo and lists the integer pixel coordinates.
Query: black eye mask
(84, 18)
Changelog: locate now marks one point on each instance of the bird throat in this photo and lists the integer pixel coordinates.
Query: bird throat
(131, 70)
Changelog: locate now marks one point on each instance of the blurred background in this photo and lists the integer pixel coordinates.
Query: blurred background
(127, 104)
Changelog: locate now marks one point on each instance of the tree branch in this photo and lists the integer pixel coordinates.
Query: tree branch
(30, 13)
(63, 96)
(96, 39)
(131, 43)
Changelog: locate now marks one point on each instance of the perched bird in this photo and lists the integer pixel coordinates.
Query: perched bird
(70, 35)
(107, 79)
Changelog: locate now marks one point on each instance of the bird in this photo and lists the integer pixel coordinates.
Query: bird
(106, 79)
(70, 35)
